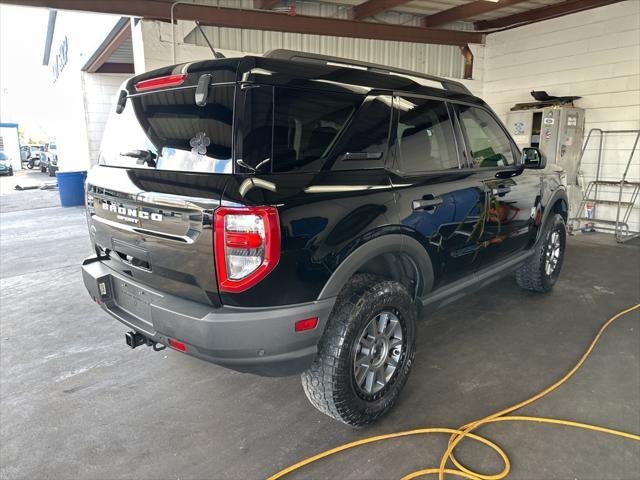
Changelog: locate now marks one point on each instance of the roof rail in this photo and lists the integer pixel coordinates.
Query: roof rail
(292, 55)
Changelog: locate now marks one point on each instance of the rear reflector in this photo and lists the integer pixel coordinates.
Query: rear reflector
(177, 345)
(308, 324)
(160, 82)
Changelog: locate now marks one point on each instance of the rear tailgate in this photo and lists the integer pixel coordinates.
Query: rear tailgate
(163, 167)
(160, 239)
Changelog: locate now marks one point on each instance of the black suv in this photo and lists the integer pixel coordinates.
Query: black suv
(297, 213)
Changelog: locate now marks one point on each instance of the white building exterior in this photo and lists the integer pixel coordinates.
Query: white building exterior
(82, 97)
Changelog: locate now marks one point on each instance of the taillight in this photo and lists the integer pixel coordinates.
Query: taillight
(246, 244)
(160, 82)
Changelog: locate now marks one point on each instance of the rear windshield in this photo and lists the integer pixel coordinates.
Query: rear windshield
(176, 133)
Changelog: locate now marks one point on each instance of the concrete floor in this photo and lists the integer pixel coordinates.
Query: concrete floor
(77, 404)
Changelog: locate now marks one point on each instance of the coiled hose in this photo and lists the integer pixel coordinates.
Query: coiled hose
(465, 432)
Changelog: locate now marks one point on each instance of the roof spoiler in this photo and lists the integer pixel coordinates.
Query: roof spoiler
(292, 55)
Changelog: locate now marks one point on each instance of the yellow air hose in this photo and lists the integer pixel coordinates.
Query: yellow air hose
(464, 432)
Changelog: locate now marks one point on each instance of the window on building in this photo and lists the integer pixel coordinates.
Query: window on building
(425, 135)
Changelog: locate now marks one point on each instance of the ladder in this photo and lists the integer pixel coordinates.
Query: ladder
(626, 191)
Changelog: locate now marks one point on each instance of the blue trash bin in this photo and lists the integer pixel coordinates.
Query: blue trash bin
(71, 188)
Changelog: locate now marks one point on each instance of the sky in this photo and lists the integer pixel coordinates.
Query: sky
(24, 81)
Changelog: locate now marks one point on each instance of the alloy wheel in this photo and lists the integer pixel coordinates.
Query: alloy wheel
(554, 249)
(378, 353)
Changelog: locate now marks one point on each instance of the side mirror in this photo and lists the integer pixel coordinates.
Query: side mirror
(533, 158)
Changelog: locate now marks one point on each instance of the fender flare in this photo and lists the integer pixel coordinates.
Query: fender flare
(558, 194)
(392, 243)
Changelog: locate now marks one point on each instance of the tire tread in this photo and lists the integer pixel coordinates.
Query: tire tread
(323, 381)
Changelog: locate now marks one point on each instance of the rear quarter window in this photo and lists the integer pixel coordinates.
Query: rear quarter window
(290, 130)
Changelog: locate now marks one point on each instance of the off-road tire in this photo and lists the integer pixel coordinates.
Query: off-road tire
(329, 383)
(532, 275)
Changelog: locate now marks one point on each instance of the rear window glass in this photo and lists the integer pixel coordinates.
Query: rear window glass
(178, 134)
(287, 130)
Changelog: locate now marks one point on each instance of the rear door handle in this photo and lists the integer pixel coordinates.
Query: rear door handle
(500, 190)
(426, 204)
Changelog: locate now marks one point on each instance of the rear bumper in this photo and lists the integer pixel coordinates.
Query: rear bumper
(255, 340)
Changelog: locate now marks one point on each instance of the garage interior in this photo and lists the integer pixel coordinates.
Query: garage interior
(77, 403)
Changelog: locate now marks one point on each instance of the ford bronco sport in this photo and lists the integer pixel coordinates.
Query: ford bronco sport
(297, 213)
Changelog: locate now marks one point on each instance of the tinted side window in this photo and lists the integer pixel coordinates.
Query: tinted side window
(306, 126)
(254, 128)
(425, 135)
(487, 142)
(364, 142)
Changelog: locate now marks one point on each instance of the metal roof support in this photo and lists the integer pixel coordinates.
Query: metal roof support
(373, 7)
(468, 62)
(263, 20)
(543, 13)
(466, 10)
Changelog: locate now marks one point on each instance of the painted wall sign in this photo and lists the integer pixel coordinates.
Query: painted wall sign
(61, 60)
(548, 121)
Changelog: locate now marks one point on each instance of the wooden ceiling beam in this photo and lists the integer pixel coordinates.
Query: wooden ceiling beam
(468, 10)
(263, 20)
(543, 13)
(373, 7)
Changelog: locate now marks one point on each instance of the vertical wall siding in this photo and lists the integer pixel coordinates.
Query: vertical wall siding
(594, 54)
(441, 60)
(99, 92)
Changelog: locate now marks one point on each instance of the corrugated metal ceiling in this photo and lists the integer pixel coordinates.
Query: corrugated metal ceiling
(429, 7)
(443, 60)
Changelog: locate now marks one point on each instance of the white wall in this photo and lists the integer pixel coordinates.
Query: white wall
(100, 92)
(84, 34)
(594, 54)
(152, 46)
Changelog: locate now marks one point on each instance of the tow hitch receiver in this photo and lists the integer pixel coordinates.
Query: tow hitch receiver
(135, 339)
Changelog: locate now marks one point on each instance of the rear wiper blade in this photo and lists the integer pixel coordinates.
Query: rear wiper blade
(143, 156)
(245, 165)
(255, 169)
